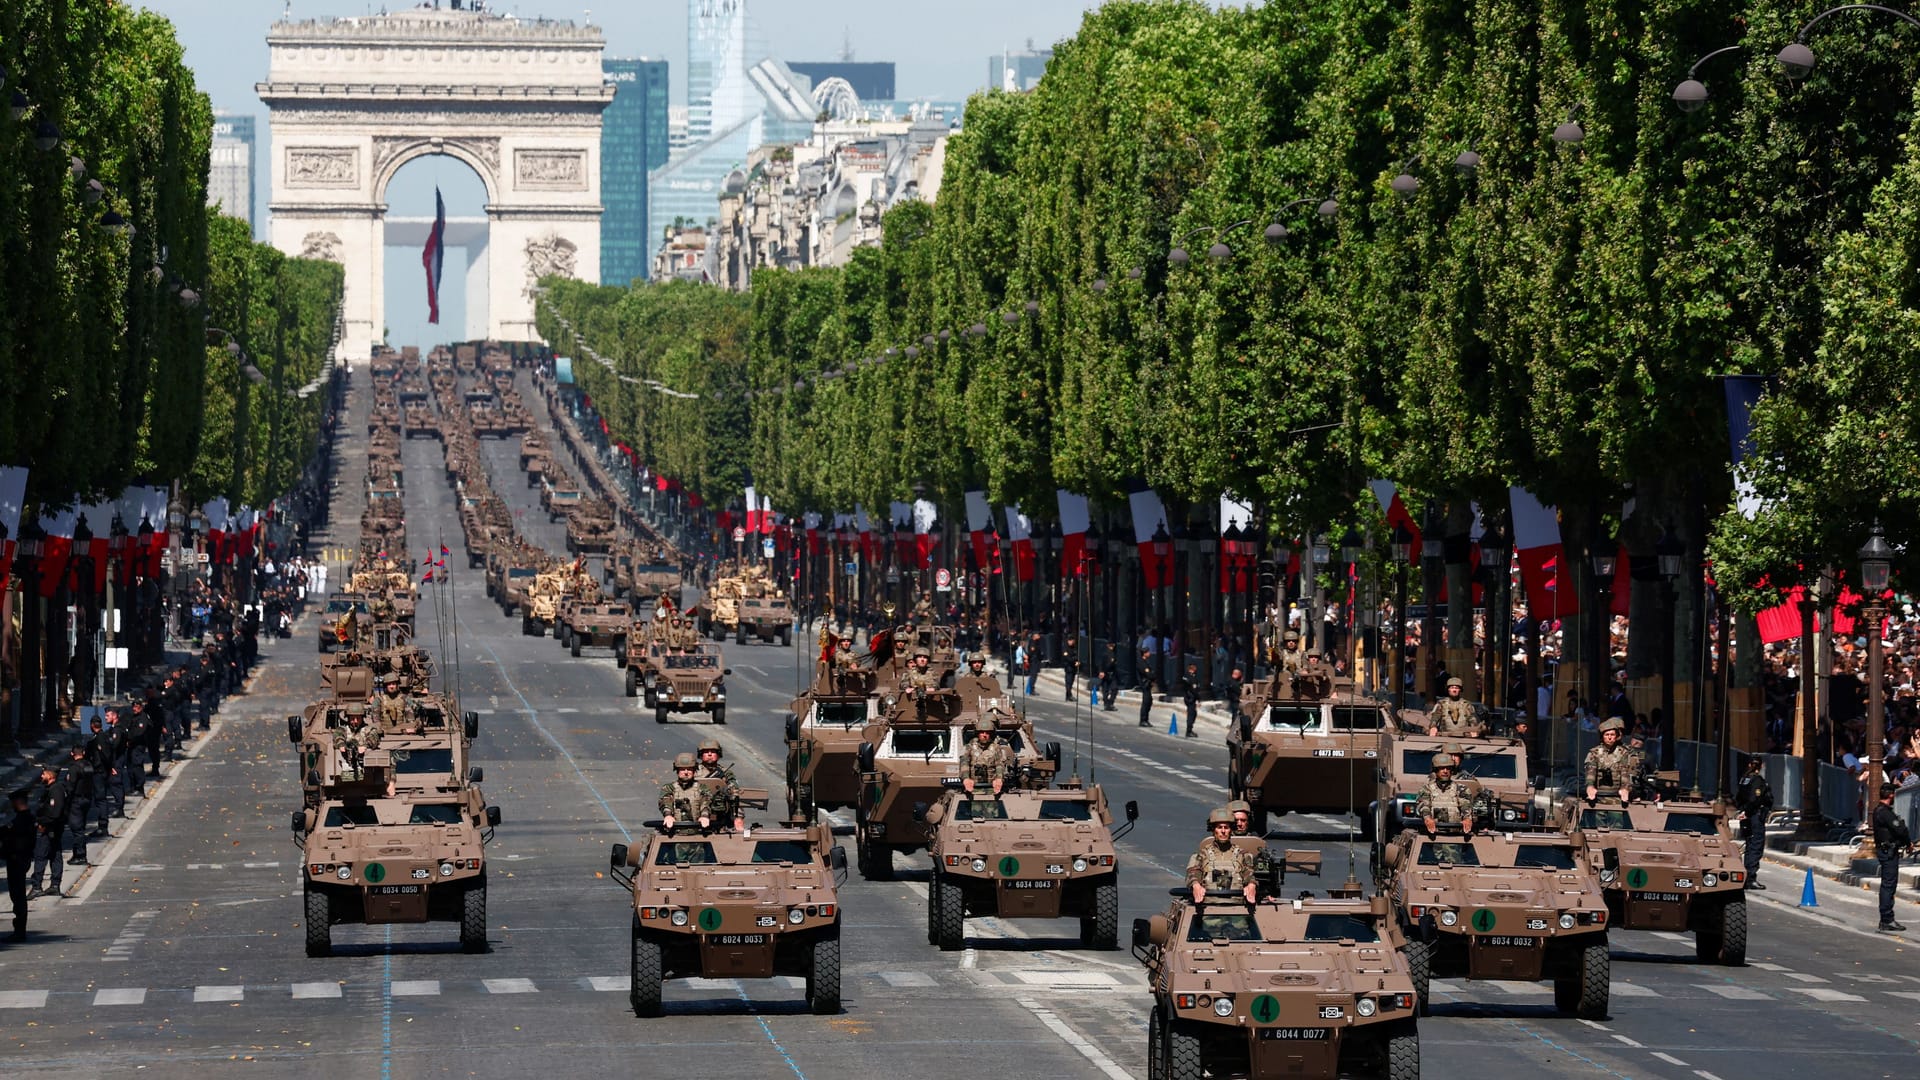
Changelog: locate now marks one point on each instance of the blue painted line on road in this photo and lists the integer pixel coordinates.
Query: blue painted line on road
(767, 1030)
(533, 716)
(386, 1011)
(1565, 1049)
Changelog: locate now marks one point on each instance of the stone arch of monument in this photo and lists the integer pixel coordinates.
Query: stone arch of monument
(353, 100)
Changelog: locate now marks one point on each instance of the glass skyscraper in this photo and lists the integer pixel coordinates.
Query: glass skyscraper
(230, 166)
(633, 141)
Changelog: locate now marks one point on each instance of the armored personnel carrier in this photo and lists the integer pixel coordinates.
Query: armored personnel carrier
(379, 850)
(764, 618)
(825, 727)
(1314, 987)
(558, 500)
(1497, 766)
(1042, 853)
(680, 679)
(907, 757)
(1307, 742)
(551, 588)
(725, 905)
(594, 622)
(590, 527)
(1522, 906)
(1671, 864)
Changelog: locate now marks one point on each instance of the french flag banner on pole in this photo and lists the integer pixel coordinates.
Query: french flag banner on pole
(1075, 518)
(1020, 536)
(435, 256)
(979, 520)
(1150, 518)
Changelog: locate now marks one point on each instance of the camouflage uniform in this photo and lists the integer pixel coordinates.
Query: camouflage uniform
(1449, 802)
(354, 742)
(394, 711)
(987, 764)
(1453, 716)
(687, 801)
(723, 791)
(1290, 661)
(1612, 769)
(1223, 867)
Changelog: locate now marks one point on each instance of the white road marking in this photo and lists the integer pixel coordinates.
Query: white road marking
(509, 986)
(1734, 993)
(606, 983)
(1621, 989)
(1067, 979)
(310, 990)
(1910, 995)
(1764, 966)
(203, 994)
(1072, 1038)
(714, 984)
(969, 959)
(1822, 994)
(416, 988)
(1671, 1060)
(123, 996)
(905, 978)
(1521, 989)
(23, 999)
(1804, 978)
(1704, 1074)
(1628, 1042)
(1594, 1024)
(98, 872)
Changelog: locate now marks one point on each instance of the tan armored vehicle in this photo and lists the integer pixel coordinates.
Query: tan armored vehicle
(559, 500)
(679, 679)
(420, 421)
(381, 849)
(1522, 906)
(1030, 854)
(594, 622)
(590, 527)
(551, 588)
(637, 570)
(484, 416)
(765, 618)
(907, 757)
(346, 620)
(429, 748)
(539, 468)
(727, 905)
(1307, 742)
(1496, 766)
(1671, 865)
(825, 727)
(510, 575)
(1314, 988)
(531, 443)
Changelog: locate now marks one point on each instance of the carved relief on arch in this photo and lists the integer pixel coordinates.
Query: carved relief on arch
(321, 245)
(549, 254)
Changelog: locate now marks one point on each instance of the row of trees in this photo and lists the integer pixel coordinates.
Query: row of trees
(108, 249)
(1559, 317)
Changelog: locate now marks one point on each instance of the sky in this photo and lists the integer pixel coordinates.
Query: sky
(939, 48)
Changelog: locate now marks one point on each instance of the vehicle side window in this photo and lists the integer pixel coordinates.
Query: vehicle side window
(979, 810)
(1294, 718)
(1065, 810)
(434, 814)
(1701, 824)
(782, 851)
(1336, 927)
(350, 815)
(1544, 858)
(1604, 819)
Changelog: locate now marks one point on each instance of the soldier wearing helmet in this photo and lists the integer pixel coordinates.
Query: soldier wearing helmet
(986, 760)
(1242, 812)
(358, 738)
(1454, 714)
(919, 677)
(1611, 766)
(1219, 864)
(1444, 799)
(393, 707)
(1291, 659)
(723, 792)
(685, 798)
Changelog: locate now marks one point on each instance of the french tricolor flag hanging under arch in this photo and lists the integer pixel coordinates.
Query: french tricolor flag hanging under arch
(435, 256)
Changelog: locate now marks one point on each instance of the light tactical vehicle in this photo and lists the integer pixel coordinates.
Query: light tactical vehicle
(594, 622)
(908, 756)
(673, 680)
(1521, 906)
(1497, 766)
(725, 905)
(825, 728)
(1029, 854)
(1307, 742)
(558, 502)
(381, 848)
(1671, 865)
(590, 528)
(1313, 988)
(549, 589)
(722, 614)
(345, 619)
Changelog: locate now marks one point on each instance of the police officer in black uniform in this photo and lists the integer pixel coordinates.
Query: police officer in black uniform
(133, 735)
(17, 837)
(1754, 797)
(156, 731)
(1890, 840)
(50, 829)
(78, 776)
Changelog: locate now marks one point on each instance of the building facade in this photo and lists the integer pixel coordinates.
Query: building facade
(633, 142)
(231, 165)
(1017, 70)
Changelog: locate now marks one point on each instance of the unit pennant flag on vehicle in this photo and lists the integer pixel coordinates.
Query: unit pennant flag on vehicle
(435, 256)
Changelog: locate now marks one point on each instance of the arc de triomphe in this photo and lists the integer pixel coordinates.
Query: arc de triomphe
(354, 99)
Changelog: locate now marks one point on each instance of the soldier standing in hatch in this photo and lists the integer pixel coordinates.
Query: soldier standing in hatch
(1611, 766)
(724, 793)
(987, 760)
(394, 708)
(919, 677)
(1291, 659)
(1444, 799)
(1220, 865)
(356, 741)
(684, 798)
(1453, 714)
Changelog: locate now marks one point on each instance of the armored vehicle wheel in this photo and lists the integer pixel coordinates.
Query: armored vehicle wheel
(1100, 927)
(526, 625)
(949, 911)
(653, 699)
(720, 715)
(1722, 936)
(644, 991)
(563, 635)
(1420, 969)
(473, 917)
(786, 636)
(620, 654)
(1403, 1054)
(633, 682)
(1156, 1046)
(573, 646)
(1582, 989)
(879, 861)
(740, 634)
(659, 714)
(323, 647)
(319, 923)
(823, 976)
(1184, 1061)
(933, 909)
(489, 583)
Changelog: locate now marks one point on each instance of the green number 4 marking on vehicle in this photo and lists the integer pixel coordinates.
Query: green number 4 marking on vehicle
(1483, 920)
(375, 872)
(1637, 878)
(1009, 866)
(710, 919)
(1266, 1009)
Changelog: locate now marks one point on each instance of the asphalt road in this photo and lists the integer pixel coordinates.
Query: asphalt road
(184, 953)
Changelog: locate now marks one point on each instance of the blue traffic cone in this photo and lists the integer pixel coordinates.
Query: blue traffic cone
(1093, 698)
(1806, 892)
(1173, 723)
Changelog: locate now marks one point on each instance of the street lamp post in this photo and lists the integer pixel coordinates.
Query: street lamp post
(1432, 557)
(1876, 563)
(1397, 670)
(1604, 559)
(1496, 563)
(1671, 553)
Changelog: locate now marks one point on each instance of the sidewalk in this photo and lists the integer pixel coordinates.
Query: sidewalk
(20, 763)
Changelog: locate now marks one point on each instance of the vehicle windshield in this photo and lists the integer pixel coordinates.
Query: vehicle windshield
(782, 851)
(1698, 824)
(1223, 927)
(1336, 927)
(1456, 854)
(341, 607)
(1605, 819)
(434, 814)
(684, 853)
(1065, 810)
(424, 760)
(1349, 718)
(1538, 857)
(979, 810)
(350, 815)
(841, 713)
(920, 742)
(1480, 765)
(1293, 718)
(522, 572)
(688, 663)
